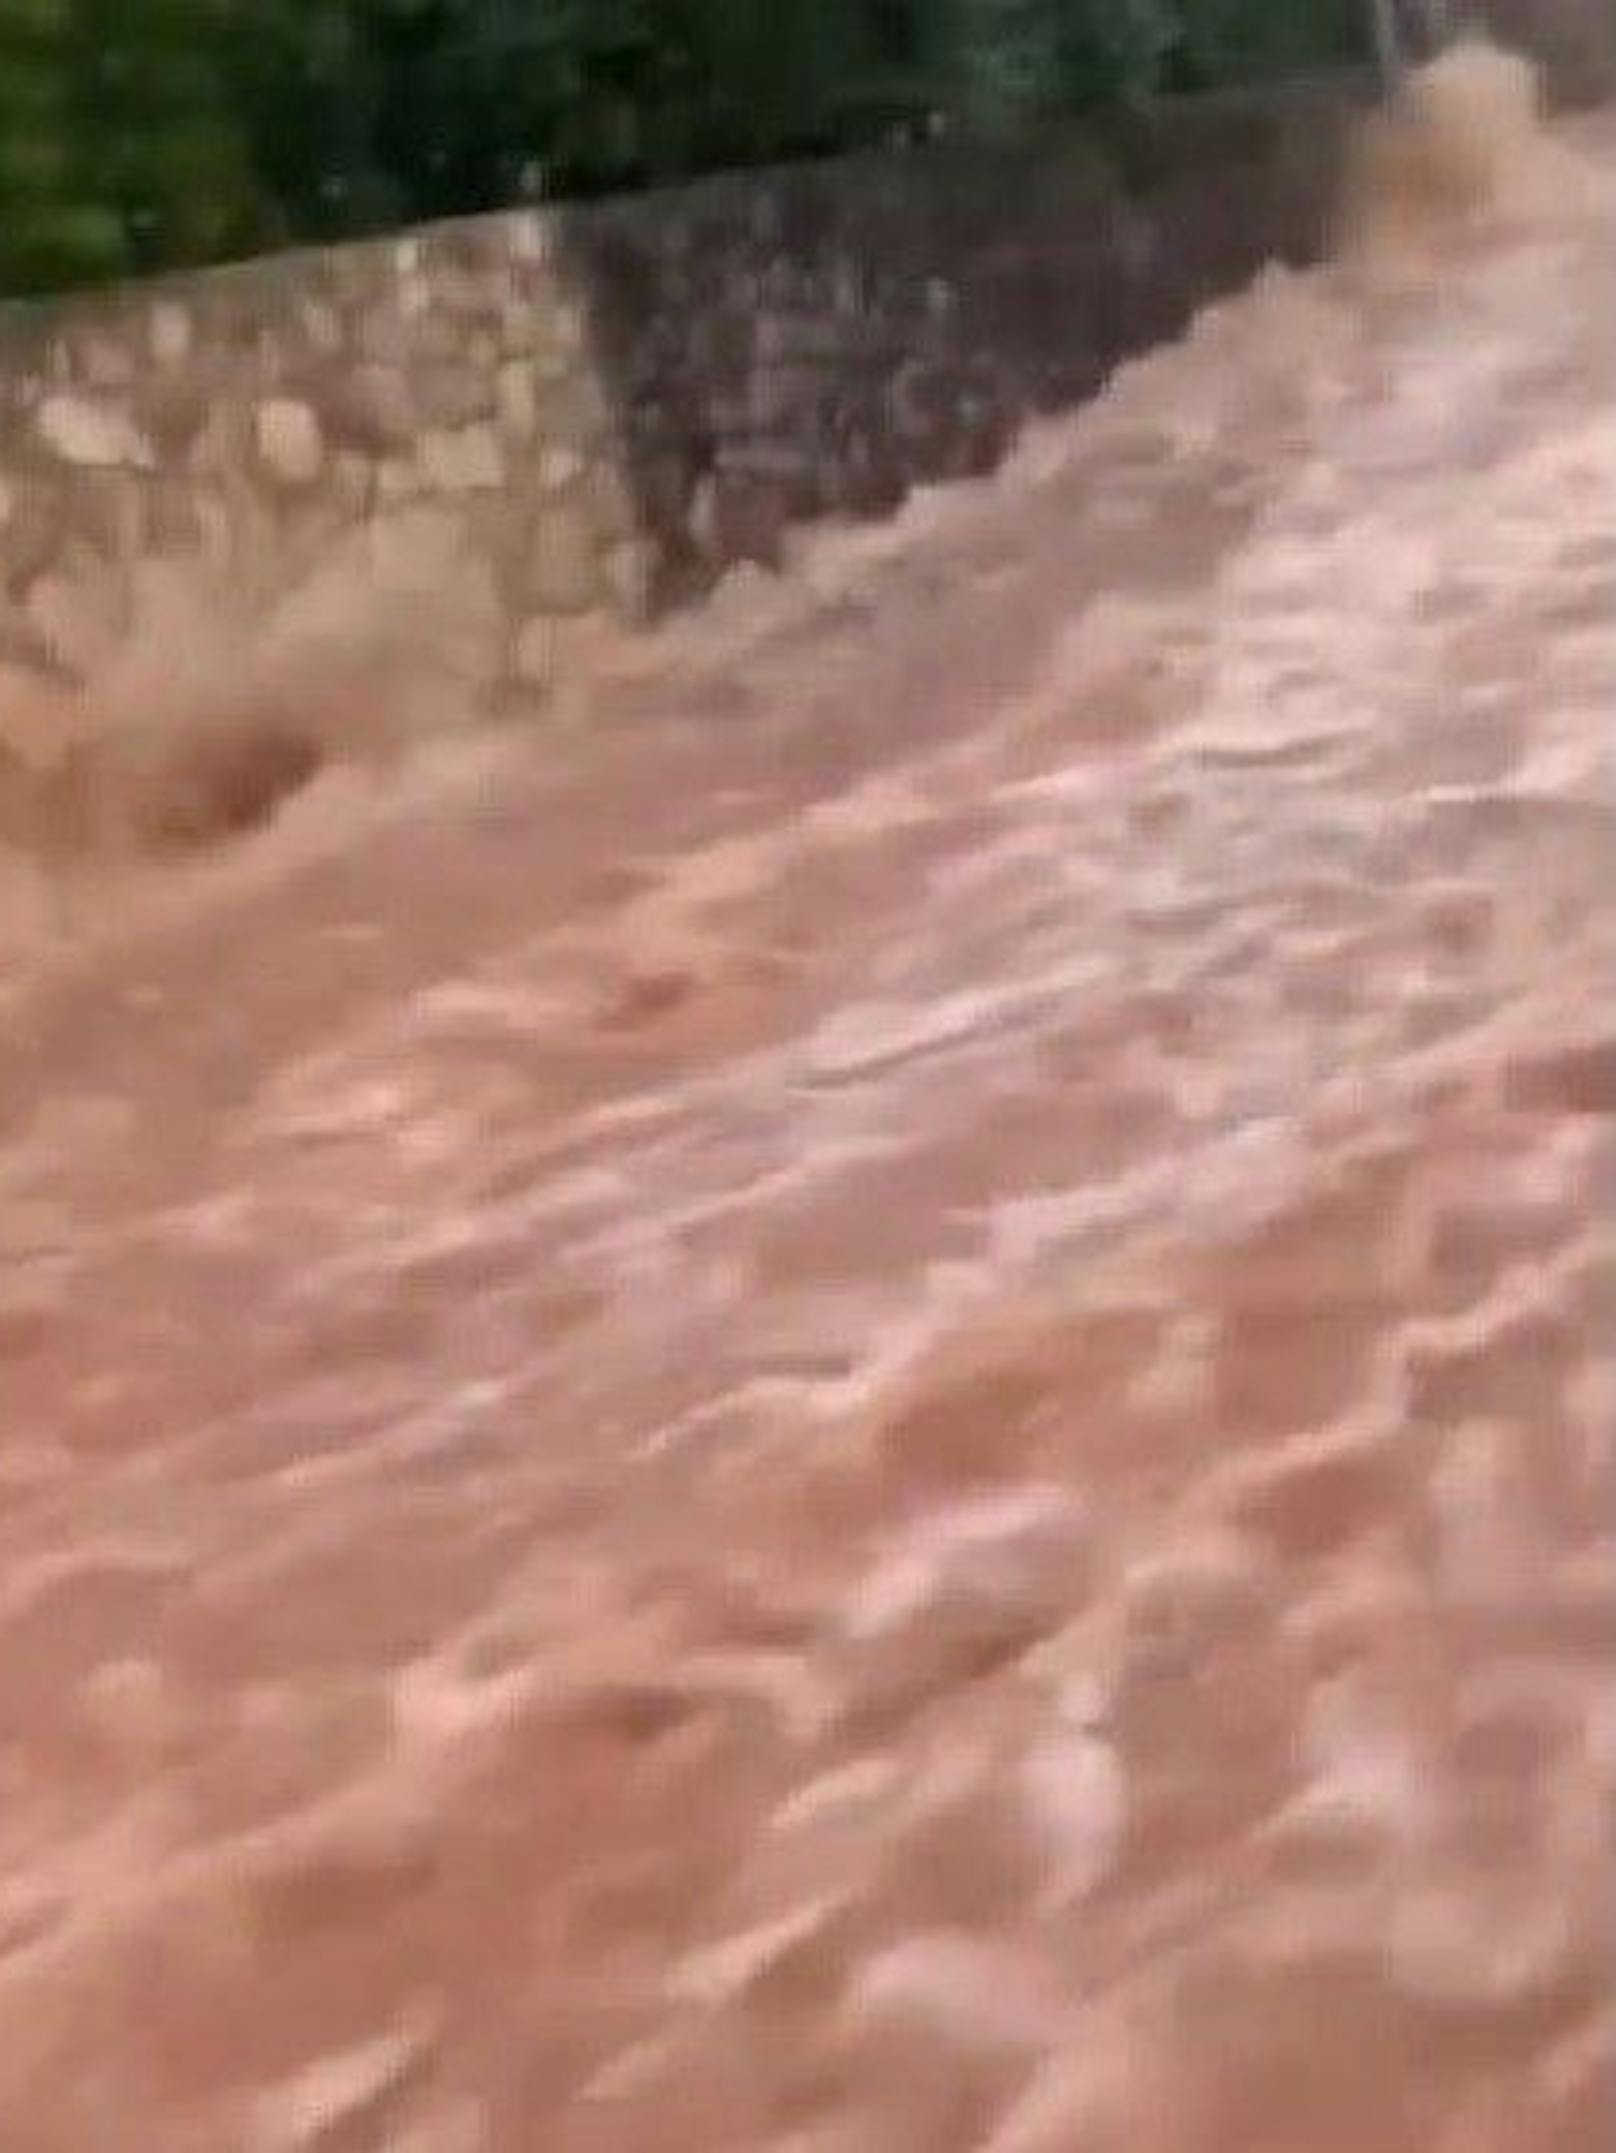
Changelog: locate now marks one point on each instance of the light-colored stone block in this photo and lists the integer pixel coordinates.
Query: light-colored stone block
(171, 334)
(91, 435)
(559, 468)
(290, 445)
(532, 236)
(462, 459)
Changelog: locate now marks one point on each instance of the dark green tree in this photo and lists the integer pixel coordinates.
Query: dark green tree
(120, 145)
(55, 226)
(159, 131)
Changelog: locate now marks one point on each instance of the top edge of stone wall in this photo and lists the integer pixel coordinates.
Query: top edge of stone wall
(1125, 149)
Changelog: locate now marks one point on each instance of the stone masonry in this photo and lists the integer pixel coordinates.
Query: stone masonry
(603, 408)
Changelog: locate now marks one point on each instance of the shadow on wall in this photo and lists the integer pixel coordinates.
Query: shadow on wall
(818, 340)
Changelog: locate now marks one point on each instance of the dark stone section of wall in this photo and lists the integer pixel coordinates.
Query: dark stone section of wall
(1572, 41)
(818, 340)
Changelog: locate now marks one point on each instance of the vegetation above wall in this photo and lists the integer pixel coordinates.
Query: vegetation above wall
(147, 134)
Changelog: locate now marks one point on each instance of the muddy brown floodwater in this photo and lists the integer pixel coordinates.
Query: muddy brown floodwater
(878, 1414)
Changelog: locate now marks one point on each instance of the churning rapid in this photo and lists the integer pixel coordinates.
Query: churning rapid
(877, 1414)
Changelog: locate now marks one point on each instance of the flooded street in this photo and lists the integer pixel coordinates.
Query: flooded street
(877, 1413)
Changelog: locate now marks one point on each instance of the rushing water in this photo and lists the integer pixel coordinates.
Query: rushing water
(881, 1416)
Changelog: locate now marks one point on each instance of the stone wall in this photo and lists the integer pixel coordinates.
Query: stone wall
(1573, 42)
(597, 409)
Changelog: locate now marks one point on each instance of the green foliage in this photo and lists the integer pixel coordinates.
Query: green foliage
(120, 148)
(160, 137)
(52, 228)
(145, 133)
(1231, 41)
